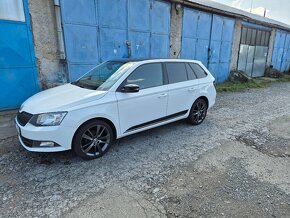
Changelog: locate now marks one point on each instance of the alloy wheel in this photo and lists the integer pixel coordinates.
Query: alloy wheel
(199, 111)
(95, 140)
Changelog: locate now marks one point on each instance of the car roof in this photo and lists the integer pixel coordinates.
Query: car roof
(127, 60)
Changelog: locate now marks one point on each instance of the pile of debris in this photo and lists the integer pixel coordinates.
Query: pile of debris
(272, 72)
(288, 72)
(239, 76)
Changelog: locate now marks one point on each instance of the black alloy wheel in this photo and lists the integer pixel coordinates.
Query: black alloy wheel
(93, 139)
(198, 112)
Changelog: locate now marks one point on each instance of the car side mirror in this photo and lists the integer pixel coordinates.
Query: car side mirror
(130, 88)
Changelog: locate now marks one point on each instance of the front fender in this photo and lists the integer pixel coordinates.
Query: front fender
(107, 111)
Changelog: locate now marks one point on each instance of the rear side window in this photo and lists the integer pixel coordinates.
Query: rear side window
(199, 72)
(190, 73)
(147, 76)
(176, 72)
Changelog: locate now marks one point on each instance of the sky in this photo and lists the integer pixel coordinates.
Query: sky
(275, 9)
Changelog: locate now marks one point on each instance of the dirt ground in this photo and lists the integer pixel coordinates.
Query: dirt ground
(236, 164)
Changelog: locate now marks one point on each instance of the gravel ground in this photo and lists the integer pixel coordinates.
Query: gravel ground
(232, 180)
(144, 170)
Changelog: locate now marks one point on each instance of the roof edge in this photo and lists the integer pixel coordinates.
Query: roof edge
(226, 10)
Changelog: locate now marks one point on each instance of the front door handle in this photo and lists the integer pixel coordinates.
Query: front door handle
(162, 95)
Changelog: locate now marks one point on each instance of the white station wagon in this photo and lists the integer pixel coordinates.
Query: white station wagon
(115, 99)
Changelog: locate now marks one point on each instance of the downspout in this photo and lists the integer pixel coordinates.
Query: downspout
(59, 29)
(63, 76)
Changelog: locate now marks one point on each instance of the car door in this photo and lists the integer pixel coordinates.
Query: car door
(183, 88)
(143, 108)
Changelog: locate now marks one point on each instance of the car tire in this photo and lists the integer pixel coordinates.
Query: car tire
(197, 112)
(93, 139)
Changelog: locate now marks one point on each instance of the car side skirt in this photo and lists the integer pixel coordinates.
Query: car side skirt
(153, 122)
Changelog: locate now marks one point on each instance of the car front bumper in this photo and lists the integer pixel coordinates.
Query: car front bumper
(32, 137)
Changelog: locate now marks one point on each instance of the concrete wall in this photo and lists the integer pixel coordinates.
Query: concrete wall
(271, 47)
(44, 30)
(236, 45)
(175, 32)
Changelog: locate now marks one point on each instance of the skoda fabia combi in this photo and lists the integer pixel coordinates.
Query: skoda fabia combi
(115, 99)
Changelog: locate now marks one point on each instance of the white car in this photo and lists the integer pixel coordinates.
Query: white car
(115, 99)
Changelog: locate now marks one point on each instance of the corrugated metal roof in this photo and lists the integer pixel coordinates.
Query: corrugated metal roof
(227, 10)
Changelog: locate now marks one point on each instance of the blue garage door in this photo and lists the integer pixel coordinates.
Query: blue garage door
(99, 30)
(18, 76)
(287, 53)
(196, 35)
(281, 51)
(208, 38)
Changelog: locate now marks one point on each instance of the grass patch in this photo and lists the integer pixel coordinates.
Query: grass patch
(284, 78)
(237, 86)
(256, 83)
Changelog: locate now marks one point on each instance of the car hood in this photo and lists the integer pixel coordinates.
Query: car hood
(60, 98)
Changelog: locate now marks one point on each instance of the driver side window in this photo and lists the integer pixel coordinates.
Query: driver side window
(147, 76)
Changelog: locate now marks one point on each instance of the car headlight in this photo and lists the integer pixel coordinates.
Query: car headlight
(48, 119)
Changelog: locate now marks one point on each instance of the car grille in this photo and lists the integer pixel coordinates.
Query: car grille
(27, 142)
(23, 118)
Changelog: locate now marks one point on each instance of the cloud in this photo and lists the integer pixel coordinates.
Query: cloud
(236, 4)
(258, 10)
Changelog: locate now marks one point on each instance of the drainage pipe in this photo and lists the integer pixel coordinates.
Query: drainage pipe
(59, 29)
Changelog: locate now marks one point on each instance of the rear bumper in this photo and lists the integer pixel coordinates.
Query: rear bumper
(212, 96)
(30, 137)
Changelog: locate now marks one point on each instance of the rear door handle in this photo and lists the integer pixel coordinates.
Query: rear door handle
(162, 95)
(191, 89)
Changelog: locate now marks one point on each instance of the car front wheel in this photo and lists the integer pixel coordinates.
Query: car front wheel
(198, 112)
(93, 139)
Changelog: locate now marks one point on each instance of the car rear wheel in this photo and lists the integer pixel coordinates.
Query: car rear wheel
(93, 139)
(198, 112)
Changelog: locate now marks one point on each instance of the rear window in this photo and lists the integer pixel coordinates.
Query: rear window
(199, 72)
(176, 72)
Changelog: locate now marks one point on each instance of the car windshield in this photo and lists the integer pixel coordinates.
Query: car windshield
(103, 76)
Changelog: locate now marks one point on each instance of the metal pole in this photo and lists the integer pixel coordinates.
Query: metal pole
(251, 6)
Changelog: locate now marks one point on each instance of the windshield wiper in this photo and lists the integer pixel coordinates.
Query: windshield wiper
(83, 85)
(77, 83)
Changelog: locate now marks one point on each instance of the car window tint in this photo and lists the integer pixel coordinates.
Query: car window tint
(190, 73)
(176, 72)
(147, 76)
(199, 72)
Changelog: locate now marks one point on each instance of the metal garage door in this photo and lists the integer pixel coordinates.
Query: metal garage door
(18, 75)
(98, 30)
(281, 51)
(208, 38)
(253, 49)
(287, 53)
(220, 47)
(196, 35)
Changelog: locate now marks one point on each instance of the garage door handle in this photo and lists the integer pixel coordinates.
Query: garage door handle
(162, 95)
